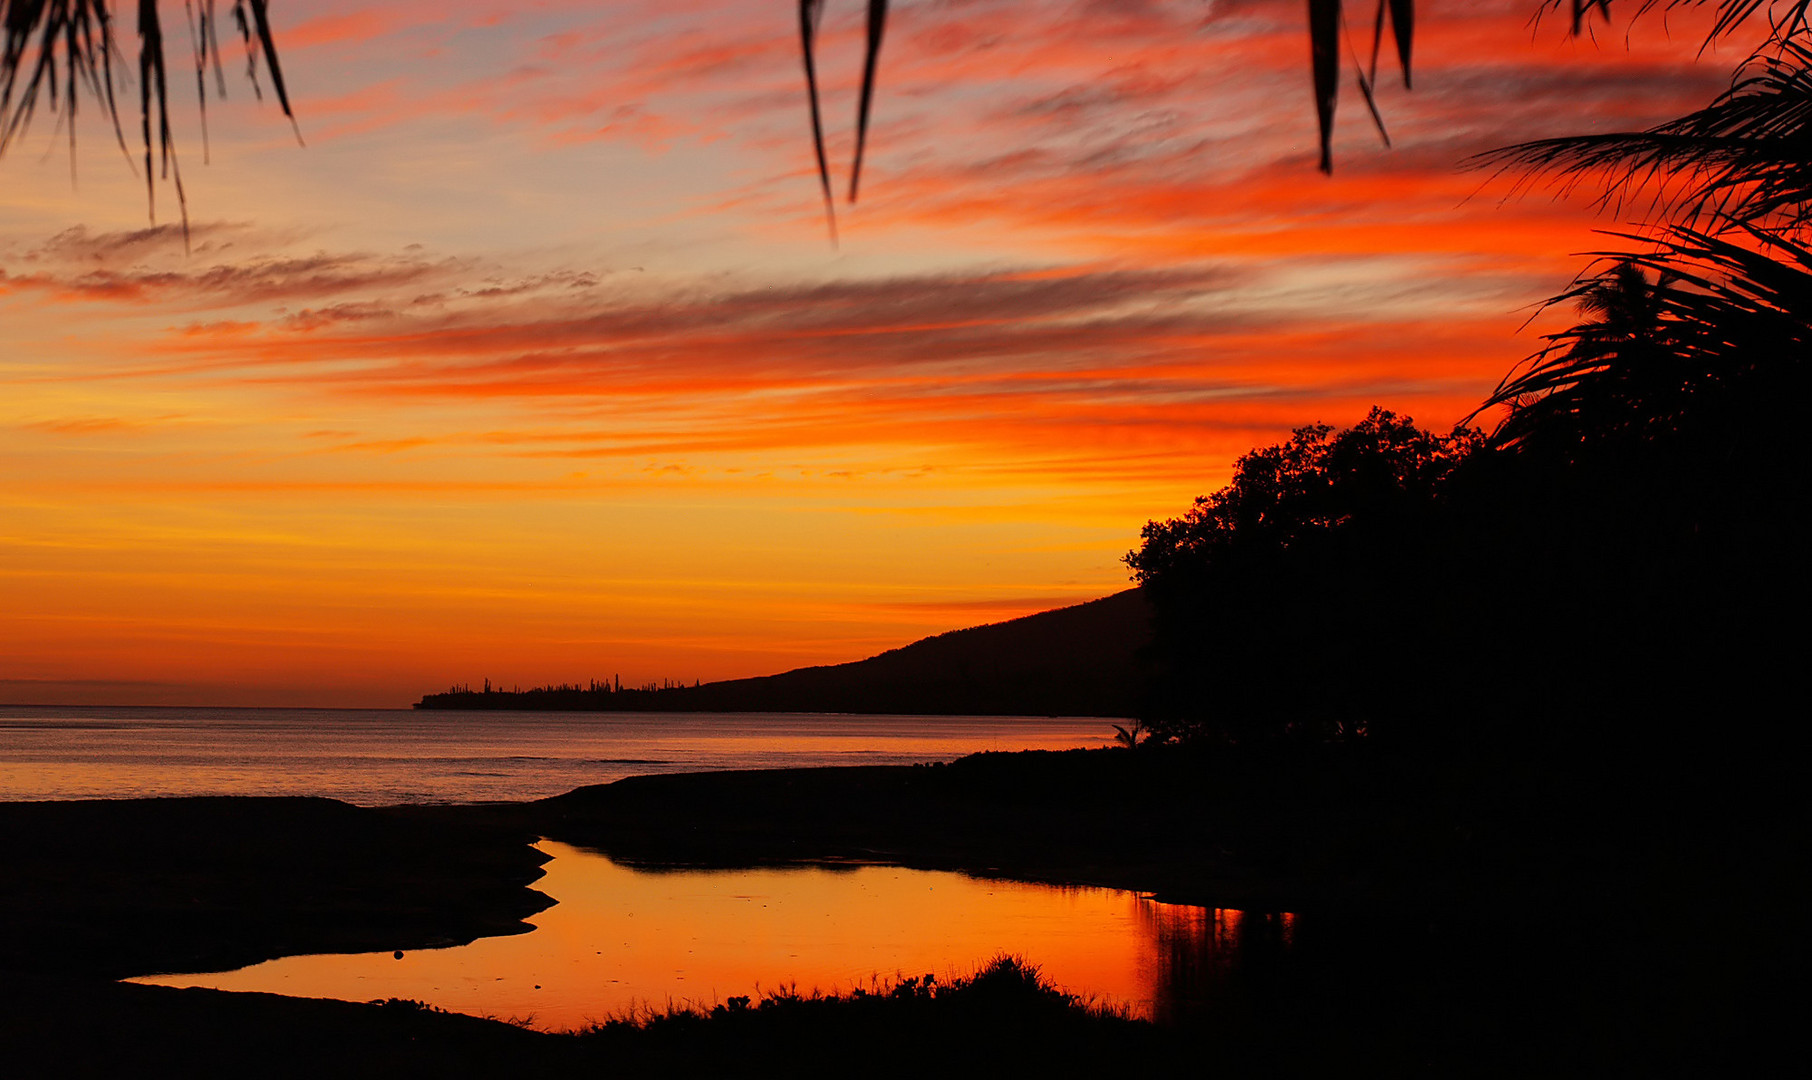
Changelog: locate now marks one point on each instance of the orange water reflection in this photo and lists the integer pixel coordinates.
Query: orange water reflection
(623, 938)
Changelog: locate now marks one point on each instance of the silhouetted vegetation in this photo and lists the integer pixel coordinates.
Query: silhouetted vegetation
(1004, 1019)
(1562, 649)
(1618, 560)
(1742, 160)
(1615, 564)
(606, 695)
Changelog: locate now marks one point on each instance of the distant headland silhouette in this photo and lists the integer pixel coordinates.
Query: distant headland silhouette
(1075, 661)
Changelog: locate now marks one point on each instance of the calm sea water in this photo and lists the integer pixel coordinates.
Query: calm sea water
(621, 939)
(379, 757)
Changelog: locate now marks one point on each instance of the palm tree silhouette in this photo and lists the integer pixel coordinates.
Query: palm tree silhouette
(1685, 335)
(1611, 364)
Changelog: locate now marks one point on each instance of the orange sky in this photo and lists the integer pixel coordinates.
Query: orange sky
(537, 365)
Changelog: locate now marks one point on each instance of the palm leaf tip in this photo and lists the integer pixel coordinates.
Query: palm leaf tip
(810, 11)
(260, 10)
(1324, 58)
(877, 28)
(1403, 29)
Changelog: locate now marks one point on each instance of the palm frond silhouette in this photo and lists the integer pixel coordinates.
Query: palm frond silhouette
(1676, 334)
(1745, 159)
(53, 50)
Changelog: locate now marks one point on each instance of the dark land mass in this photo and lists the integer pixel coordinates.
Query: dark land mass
(1075, 661)
(60, 1026)
(1484, 915)
(140, 886)
(1003, 1021)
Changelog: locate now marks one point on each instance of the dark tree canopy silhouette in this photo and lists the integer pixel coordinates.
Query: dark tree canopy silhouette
(1615, 564)
(1269, 591)
(1291, 494)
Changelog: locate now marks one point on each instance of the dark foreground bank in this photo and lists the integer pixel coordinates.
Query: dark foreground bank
(1473, 913)
(1002, 1021)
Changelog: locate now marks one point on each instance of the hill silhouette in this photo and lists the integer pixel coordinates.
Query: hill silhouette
(1075, 661)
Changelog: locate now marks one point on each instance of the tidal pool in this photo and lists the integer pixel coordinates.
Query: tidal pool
(621, 939)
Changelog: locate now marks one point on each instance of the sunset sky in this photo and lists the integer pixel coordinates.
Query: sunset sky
(536, 363)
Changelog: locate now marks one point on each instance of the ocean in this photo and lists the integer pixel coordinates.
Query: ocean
(383, 757)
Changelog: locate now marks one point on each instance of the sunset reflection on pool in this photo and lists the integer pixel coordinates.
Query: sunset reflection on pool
(622, 938)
